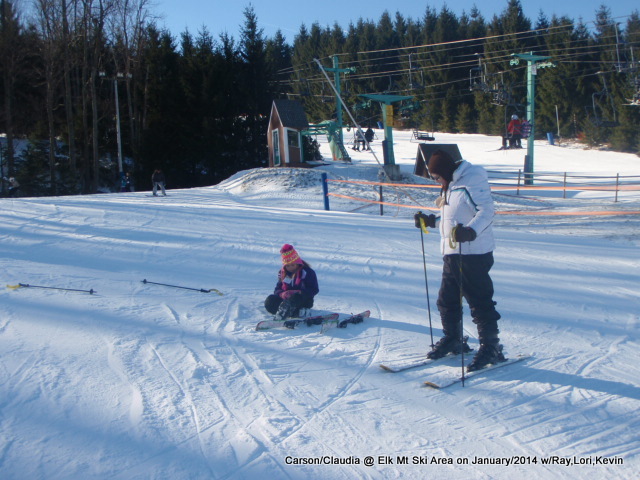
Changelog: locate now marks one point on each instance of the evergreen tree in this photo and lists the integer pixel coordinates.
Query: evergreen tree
(444, 75)
(464, 119)
(163, 144)
(255, 81)
(278, 54)
(563, 45)
(606, 85)
(509, 36)
(388, 42)
(626, 137)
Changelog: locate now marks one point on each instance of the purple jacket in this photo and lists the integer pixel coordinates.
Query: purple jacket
(304, 280)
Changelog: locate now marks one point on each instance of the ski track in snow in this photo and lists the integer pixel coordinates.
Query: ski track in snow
(269, 439)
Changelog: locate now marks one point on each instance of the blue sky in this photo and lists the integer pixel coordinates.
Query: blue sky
(287, 15)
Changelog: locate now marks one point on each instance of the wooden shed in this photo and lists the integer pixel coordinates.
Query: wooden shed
(425, 150)
(284, 137)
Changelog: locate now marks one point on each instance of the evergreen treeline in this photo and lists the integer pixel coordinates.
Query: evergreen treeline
(197, 107)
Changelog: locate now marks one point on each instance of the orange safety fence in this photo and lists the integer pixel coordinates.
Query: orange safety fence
(514, 187)
(505, 212)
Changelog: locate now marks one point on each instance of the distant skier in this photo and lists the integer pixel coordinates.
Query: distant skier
(514, 131)
(296, 287)
(13, 186)
(466, 217)
(126, 183)
(368, 136)
(358, 140)
(158, 181)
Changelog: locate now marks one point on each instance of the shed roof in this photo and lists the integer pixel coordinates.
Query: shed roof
(291, 113)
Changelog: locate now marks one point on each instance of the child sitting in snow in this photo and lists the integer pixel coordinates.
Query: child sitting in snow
(297, 285)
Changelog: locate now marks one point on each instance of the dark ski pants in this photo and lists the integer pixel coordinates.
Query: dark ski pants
(293, 303)
(477, 290)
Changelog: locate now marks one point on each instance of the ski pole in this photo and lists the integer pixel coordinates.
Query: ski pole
(461, 322)
(25, 285)
(426, 282)
(215, 290)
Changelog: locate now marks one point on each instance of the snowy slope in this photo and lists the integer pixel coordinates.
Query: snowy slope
(140, 381)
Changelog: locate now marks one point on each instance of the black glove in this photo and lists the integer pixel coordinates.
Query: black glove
(464, 234)
(429, 220)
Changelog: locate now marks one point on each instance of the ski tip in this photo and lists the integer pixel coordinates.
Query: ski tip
(431, 385)
(387, 368)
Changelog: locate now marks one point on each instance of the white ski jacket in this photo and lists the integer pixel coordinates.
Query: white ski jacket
(469, 202)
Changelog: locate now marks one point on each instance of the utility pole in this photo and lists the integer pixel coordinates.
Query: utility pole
(119, 76)
(532, 70)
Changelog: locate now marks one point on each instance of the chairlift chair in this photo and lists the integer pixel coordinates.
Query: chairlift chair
(598, 99)
(393, 86)
(413, 68)
(324, 97)
(478, 77)
(635, 85)
(306, 90)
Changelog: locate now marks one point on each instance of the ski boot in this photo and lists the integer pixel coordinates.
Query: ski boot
(286, 310)
(448, 344)
(488, 354)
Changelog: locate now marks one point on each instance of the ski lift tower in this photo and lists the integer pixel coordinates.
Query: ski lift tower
(386, 103)
(336, 79)
(532, 71)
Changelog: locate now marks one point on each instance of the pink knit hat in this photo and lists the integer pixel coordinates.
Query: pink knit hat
(289, 255)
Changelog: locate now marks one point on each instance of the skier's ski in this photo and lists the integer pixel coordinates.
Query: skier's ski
(409, 364)
(417, 362)
(469, 375)
(294, 322)
(357, 318)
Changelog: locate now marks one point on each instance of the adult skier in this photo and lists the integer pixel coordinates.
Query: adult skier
(514, 131)
(157, 179)
(467, 243)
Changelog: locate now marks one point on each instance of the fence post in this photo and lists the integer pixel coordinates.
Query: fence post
(617, 185)
(381, 200)
(518, 189)
(325, 191)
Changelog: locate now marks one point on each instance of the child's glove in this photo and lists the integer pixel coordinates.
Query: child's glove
(288, 294)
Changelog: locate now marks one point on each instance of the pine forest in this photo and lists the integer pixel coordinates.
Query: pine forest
(87, 84)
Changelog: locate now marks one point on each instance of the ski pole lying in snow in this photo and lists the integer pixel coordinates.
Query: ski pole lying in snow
(13, 287)
(215, 290)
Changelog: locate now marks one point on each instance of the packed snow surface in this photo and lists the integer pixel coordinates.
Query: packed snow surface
(143, 381)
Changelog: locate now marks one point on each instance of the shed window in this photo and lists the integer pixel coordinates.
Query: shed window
(292, 138)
